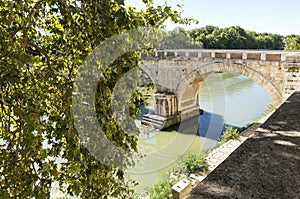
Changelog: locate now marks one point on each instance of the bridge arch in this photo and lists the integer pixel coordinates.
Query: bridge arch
(187, 89)
(150, 74)
(177, 76)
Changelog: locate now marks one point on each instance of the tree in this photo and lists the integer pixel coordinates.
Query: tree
(269, 41)
(251, 39)
(177, 39)
(292, 42)
(42, 45)
(235, 37)
(204, 36)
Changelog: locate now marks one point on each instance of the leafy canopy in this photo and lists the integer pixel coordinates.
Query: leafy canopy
(42, 45)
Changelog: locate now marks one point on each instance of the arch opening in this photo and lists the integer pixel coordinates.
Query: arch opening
(186, 89)
(147, 87)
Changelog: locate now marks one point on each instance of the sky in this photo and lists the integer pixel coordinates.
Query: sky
(272, 16)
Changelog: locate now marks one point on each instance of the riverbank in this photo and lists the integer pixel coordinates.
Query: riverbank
(266, 165)
(227, 98)
(212, 158)
(216, 156)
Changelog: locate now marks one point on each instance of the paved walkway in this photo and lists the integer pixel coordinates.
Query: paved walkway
(218, 155)
(266, 165)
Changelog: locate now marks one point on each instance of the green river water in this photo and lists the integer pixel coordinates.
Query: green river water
(226, 98)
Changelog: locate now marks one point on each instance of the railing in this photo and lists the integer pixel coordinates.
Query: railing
(260, 55)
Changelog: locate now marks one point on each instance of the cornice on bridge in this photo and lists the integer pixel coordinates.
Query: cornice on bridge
(258, 55)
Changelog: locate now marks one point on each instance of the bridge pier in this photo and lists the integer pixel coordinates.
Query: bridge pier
(165, 104)
(166, 111)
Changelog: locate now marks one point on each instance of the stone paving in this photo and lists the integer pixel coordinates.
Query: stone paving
(218, 155)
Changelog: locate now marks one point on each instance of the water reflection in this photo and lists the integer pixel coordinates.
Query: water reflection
(211, 131)
(231, 83)
(208, 131)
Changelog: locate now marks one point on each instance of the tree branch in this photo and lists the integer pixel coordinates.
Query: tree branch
(65, 5)
(42, 51)
(28, 18)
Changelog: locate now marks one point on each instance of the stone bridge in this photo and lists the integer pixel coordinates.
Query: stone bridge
(177, 76)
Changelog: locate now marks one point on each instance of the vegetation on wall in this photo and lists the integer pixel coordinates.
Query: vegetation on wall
(229, 134)
(42, 45)
(193, 163)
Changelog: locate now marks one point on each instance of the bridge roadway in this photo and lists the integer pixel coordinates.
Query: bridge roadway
(266, 165)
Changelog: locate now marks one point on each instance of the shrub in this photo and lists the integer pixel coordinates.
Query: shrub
(269, 109)
(162, 189)
(193, 163)
(190, 164)
(229, 134)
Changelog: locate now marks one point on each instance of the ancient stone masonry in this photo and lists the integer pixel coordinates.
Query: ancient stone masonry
(165, 104)
(166, 111)
(178, 74)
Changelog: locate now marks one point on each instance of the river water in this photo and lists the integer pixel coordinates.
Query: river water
(226, 98)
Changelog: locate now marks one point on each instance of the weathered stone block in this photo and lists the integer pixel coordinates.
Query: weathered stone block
(193, 54)
(206, 54)
(253, 56)
(181, 189)
(170, 54)
(220, 55)
(236, 55)
(273, 57)
(181, 54)
(293, 58)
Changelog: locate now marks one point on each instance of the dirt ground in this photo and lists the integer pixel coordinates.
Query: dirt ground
(267, 165)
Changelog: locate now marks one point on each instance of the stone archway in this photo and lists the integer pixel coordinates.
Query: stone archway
(179, 73)
(190, 83)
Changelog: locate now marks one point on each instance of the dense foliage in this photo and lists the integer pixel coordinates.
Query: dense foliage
(193, 164)
(42, 45)
(162, 189)
(177, 39)
(235, 37)
(292, 42)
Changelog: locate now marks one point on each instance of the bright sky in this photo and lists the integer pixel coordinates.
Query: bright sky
(272, 16)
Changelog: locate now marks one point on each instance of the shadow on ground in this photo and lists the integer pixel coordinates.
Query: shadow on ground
(267, 165)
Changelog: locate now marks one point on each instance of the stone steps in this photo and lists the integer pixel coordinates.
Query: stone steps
(159, 122)
(151, 124)
(155, 121)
